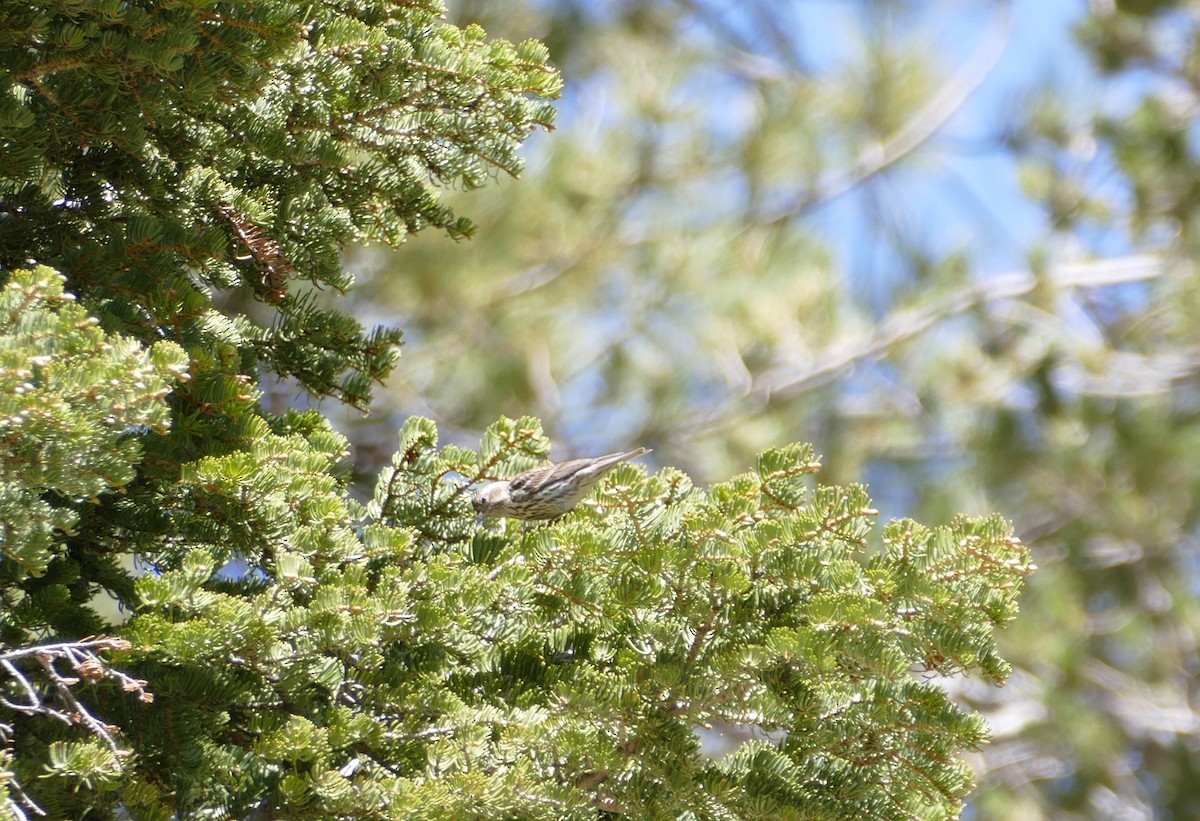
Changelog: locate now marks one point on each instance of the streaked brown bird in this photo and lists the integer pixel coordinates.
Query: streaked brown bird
(547, 492)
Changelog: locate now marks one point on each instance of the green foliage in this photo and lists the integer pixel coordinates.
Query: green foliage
(154, 154)
(75, 403)
(595, 645)
(400, 661)
(284, 650)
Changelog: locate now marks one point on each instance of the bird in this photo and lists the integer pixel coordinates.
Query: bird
(546, 492)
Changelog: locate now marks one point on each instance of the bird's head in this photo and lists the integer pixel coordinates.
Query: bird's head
(491, 499)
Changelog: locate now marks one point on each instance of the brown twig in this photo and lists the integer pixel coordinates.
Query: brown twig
(86, 664)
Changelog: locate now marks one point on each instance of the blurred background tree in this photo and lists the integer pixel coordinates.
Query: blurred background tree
(948, 243)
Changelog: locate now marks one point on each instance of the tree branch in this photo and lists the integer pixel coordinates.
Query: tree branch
(918, 129)
(905, 324)
(84, 660)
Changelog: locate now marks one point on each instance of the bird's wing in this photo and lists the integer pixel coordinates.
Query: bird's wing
(537, 477)
(584, 469)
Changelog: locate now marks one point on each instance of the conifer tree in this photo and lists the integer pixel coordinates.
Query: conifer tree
(280, 650)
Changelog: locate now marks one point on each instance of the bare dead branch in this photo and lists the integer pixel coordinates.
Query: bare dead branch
(86, 665)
